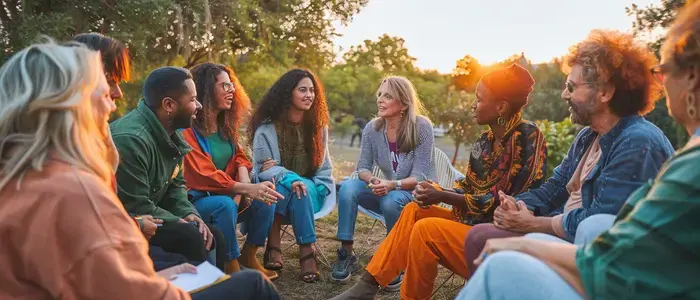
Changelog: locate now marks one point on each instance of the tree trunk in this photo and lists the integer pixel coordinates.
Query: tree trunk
(454, 157)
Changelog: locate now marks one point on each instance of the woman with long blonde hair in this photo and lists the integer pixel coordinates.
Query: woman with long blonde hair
(400, 142)
(65, 235)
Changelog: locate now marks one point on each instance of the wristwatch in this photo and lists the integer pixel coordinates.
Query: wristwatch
(398, 185)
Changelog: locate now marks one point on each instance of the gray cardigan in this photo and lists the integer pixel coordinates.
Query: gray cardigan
(417, 163)
(265, 145)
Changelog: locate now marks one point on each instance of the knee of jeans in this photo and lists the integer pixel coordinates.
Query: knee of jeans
(595, 221)
(539, 236)
(224, 202)
(594, 225)
(349, 189)
(502, 265)
(391, 203)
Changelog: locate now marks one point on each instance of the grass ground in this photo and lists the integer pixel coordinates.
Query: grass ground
(367, 237)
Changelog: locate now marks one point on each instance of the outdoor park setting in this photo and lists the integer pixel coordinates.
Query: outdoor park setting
(442, 47)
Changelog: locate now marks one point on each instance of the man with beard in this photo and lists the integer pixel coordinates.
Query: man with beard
(609, 88)
(149, 176)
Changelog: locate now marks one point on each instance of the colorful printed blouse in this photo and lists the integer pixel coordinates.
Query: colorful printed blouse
(515, 165)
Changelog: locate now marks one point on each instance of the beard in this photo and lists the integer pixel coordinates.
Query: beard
(582, 113)
(182, 120)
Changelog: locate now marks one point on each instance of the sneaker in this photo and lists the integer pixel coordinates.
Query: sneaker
(395, 285)
(344, 266)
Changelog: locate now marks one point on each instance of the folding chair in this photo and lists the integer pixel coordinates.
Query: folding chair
(446, 175)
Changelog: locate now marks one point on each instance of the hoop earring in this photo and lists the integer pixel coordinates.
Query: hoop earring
(500, 120)
(691, 110)
(690, 106)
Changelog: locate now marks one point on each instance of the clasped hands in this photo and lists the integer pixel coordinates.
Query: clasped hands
(512, 214)
(380, 187)
(427, 193)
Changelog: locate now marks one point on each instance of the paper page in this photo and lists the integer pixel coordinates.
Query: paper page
(206, 275)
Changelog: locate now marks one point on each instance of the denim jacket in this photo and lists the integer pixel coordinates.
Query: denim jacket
(632, 152)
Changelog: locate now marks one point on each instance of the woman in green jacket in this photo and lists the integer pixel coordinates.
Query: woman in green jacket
(653, 249)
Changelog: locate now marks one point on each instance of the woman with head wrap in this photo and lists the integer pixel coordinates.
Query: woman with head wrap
(509, 157)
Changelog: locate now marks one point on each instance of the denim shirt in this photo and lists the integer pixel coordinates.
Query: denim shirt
(632, 152)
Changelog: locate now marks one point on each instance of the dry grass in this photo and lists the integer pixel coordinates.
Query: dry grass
(366, 240)
(367, 237)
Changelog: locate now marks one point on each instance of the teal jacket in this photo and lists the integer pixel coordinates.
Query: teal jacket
(653, 250)
(149, 176)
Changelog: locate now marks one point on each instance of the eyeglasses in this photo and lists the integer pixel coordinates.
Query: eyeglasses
(571, 86)
(228, 86)
(658, 72)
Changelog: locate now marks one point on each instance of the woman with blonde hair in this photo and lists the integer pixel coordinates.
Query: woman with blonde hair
(651, 251)
(61, 222)
(400, 142)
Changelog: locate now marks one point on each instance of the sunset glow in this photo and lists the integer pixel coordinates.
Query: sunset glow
(438, 32)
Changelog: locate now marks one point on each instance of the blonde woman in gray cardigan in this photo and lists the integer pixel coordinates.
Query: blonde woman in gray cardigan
(400, 142)
(289, 130)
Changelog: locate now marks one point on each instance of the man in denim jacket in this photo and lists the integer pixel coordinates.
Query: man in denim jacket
(608, 90)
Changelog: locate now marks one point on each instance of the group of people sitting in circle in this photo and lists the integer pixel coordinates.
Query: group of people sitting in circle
(614, 220)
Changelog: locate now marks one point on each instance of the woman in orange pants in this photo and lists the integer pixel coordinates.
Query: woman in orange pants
(509, 157)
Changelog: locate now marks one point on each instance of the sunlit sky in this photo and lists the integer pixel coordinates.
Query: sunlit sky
(438, 32)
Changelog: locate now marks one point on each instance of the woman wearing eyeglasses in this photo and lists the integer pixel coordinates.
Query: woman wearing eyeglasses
(217, 169)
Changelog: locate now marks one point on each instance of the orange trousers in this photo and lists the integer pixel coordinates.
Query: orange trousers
(420, 240)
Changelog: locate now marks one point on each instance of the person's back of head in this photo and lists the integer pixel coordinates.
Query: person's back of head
(115, 59)
(115, 55)
(47, 107)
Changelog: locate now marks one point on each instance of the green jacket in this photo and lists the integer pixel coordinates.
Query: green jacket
(653, 250)
(149, 176)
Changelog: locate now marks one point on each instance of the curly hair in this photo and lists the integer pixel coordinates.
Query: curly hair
(616, 58)
(229, 121)
(276, 102)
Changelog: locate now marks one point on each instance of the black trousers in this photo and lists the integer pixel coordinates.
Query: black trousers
(183, 239)
(359, 137)
(246, 284)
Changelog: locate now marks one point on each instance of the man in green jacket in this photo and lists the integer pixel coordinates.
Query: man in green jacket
(149, 176)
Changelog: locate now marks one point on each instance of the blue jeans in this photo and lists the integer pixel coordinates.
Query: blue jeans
(222, 211)
(590, 228)
(355, 192)
(299, 213)
(515, 275)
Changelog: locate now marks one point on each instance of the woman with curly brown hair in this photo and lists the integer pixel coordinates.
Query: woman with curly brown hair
(217, 169)
(651, 251)
(289, 133)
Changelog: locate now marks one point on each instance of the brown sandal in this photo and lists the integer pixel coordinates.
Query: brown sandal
(267, 259)
(309, 276)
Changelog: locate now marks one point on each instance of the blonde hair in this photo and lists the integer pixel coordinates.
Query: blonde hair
(399, 87)
(46, 111)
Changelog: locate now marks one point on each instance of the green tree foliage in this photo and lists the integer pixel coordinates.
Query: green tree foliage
(458, 115)
(467, 73)
(160, 31)
(545, 101)
(647, 20)
(344, 127)
(559, 137)
(388, 55)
